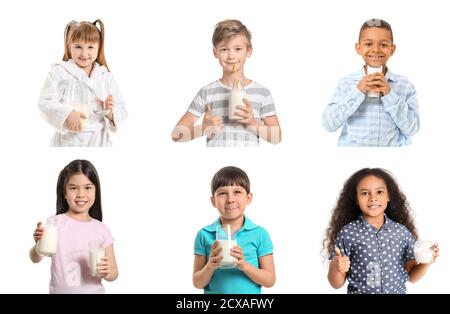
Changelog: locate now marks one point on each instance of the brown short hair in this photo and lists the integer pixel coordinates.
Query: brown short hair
(229, 176)
(376, 23)
(229, 28)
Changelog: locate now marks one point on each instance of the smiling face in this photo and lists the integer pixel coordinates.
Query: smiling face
(80, 194)
(375, 46)
(233, 51)
(231, 202)
(372, 198)
(84, 54)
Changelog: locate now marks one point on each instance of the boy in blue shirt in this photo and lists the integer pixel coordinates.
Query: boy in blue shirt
(230, 188)
(378, 109)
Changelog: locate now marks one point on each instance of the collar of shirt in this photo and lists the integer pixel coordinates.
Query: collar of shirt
(248, 225)
(387, 225)
(392, 77)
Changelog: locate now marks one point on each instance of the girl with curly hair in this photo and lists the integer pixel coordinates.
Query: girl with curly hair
(371, 236)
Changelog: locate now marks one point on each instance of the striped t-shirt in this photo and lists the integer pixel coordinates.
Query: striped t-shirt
(216, 95)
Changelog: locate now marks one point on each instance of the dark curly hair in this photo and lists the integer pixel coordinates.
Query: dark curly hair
(347, 209)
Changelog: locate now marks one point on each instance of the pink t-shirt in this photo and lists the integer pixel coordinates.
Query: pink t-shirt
(70, 271)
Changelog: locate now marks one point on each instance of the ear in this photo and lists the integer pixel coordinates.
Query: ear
(393, 49)
(249, 198)
(358, 48)
(213, 201)
(215, 52)
(249, 52)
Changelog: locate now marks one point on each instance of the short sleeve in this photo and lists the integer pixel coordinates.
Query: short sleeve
(200, 244)
(107, 236)
(268, 106)
(408, 253)
(198, 104)
(265, 245)
(340, 243)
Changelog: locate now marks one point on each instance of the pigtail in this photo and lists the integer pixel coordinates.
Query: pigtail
(101, 53)
(67, 55)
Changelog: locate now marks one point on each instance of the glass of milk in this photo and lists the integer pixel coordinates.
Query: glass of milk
(373, 70)
(423, 251)
(96, 252)
(49, 242)
(227, 240)
(236, 99)
(81, 98)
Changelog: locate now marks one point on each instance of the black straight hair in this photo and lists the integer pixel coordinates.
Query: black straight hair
(77, 167)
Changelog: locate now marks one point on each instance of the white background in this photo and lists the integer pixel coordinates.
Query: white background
(156, 193)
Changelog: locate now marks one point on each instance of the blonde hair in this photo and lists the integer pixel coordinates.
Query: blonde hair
(87, 32)
(230, 28)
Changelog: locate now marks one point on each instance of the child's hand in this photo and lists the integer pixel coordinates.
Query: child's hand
(74, 121)
(246, 113)
(237, 252)
(378, 84)
(107, 104)
(214, 257)
(38, 232)
(343, 262)
(435, 253)
(103, 267)
(211, 126)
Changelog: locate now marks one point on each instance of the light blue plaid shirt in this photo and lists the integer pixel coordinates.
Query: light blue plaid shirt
(390, 120)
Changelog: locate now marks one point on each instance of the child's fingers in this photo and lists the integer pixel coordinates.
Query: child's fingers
(246, 102)
(82, 116)
(338, 251)
(216, 251)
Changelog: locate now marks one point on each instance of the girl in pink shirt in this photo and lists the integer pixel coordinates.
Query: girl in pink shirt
(77, 267)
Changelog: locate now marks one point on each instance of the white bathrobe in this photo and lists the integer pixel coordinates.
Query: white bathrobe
(55, 110)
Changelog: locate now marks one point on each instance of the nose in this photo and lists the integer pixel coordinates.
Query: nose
(230, 198)
(84, 52)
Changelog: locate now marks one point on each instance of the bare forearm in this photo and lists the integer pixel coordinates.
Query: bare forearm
(183, 133)
(34, 256)
(335, 277)
(418, 271)
(260, 276)
(112, 275)
(202, 277)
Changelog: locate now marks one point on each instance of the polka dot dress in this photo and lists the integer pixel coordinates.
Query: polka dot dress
(377, 257)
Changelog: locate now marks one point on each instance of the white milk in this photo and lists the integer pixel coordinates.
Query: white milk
(373, 70)
(47, 245)
(84, 109)
(95, 256)
(423, 251)
(228, 261)
(236, 96)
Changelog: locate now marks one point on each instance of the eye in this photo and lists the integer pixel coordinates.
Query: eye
(380, 192)
(72, 188)
(239, 49)
(89, 188)
(223, 49)
(222, 193)
(364, 193)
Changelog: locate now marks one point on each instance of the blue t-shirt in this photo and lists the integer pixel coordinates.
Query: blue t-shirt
(377, 257)
(255, 243)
